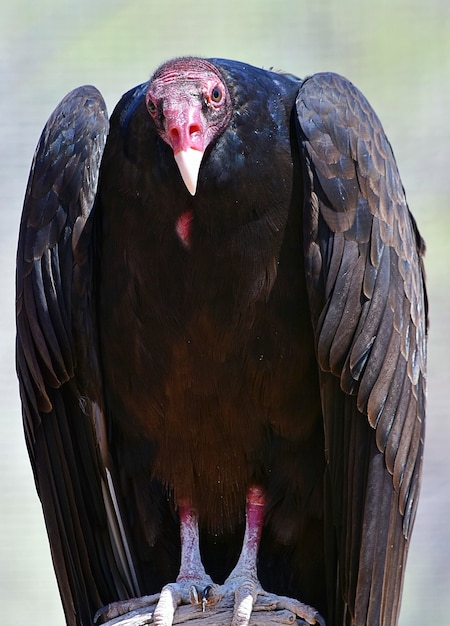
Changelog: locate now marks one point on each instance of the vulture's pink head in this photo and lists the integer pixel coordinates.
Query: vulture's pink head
(191, 106)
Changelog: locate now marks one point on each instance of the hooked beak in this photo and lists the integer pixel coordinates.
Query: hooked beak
(185, 133)
(188, 162)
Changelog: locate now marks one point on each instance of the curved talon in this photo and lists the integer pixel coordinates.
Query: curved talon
(197, 596)
(102, 611)
(205, 596)
(320, 620)
(194, 596)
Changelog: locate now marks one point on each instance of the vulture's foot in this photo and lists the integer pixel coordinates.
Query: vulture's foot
(247, 594)
(242, 594)
(243, 583)
(159, 609)
(185, 591)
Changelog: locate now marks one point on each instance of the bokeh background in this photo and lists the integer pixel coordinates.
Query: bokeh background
(397, 53)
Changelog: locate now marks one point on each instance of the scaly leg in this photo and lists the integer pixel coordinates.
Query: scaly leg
(193, 585)
(243, 581)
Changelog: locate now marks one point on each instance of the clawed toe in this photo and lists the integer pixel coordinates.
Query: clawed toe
(244, 595)
(305, 612)
(158, 609)
(117, 609)
(176, 594)
(241, 597)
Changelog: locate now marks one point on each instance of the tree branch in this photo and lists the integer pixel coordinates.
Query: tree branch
(220, 615)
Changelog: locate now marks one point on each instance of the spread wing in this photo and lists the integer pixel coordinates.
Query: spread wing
(368, 303)
(56, 343)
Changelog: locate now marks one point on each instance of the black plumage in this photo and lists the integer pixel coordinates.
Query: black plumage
(268, 329)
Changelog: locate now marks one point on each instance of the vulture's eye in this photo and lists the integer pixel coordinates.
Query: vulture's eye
(151, 106)
(216, 94)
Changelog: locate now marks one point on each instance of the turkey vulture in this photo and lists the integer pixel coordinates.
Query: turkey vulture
(221, 346)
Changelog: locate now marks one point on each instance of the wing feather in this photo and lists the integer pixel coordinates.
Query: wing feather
(368, 306)
(57, 353)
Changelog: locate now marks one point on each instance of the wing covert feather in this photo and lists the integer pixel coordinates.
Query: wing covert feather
(368, 304)
(65, 168)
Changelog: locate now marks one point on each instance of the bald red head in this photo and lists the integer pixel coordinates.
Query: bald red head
(191, 106)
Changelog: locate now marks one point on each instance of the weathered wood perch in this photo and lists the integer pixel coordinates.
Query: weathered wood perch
(220, 615)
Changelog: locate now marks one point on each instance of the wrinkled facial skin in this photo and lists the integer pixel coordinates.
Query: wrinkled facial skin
(190, 106)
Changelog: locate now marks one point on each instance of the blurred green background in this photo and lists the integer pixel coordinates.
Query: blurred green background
(397, 52)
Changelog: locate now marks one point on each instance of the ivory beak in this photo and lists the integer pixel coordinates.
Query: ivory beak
(188, 162)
